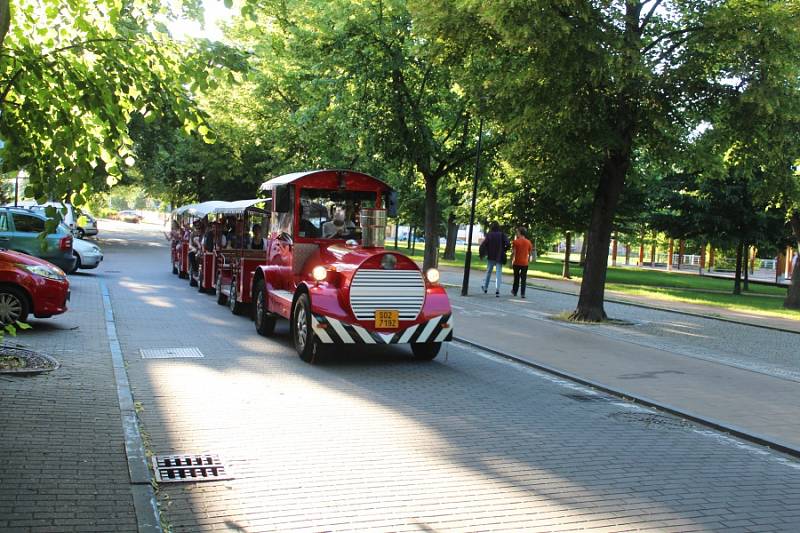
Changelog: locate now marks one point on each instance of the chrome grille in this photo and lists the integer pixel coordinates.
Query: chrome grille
(373, 289)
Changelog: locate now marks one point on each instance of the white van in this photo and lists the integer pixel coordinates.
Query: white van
(83, 226)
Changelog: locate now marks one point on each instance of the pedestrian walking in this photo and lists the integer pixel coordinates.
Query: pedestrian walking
(494, 248)
(520, 256)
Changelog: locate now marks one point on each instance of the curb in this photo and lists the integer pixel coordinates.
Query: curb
(716, 425)
(144, 499)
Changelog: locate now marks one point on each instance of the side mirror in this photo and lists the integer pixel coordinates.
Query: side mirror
(391, 204)
(282, 199)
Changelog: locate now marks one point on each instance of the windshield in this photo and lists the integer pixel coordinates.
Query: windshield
(333, 214)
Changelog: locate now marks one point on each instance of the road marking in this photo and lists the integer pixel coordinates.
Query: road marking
(144, 498)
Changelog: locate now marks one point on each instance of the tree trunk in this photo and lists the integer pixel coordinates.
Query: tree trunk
(396, 232)
(746, 285)
(737, 283)
(452, 235)
(612, 179)
(792, 300)
(681, 251)
(430, 258)
(584, 244)
(653, 253)
(567, 250)
(641, 254)
(702, 258)
(410, 236)
(670, 251)
(614, 250)
(711, 257)
(413, 240)
(627, 253)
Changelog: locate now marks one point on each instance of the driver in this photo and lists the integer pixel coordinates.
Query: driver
(337, 228)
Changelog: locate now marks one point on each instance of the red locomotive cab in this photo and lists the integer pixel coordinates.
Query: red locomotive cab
(242, 244)
(327, 272)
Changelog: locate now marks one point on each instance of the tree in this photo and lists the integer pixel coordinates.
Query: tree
(71, 77)
(596, 81)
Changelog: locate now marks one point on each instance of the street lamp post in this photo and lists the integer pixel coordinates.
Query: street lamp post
(468, 257)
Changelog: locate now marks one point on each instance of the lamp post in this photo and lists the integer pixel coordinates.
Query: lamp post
(468, 257)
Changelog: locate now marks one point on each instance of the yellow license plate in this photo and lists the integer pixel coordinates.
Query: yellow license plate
(387, 319)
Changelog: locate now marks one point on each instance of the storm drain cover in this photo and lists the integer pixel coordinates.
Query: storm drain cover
(588, 397)
(189, 467)
(169, 353)
(651, 420)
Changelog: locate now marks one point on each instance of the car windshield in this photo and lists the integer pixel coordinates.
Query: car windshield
(333, 214)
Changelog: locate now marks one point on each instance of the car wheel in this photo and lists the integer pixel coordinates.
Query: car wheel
(305, 341)
(221, 298)
(13, 306)
(174, 269)
(427, 351)
(81, 233)
(236, 307)
(77, 263)
(265, 321)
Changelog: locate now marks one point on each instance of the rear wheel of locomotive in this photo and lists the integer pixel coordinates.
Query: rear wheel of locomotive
(236, 307)
(265, 321)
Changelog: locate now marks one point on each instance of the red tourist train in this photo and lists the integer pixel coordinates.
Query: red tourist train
(313, 254)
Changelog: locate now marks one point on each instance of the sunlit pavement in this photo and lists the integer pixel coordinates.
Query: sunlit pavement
(374, 441)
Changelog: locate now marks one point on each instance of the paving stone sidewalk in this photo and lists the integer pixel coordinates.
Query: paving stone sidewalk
(62, 462)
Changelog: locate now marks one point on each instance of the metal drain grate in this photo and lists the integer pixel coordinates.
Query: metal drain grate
(652, 420)
(169, 353)
(588, 397)
(190, 467)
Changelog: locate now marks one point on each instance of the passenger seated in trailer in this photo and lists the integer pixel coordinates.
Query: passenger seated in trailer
(258, 242)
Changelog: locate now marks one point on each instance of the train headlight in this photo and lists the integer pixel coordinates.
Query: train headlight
(319, 273)
(433, 275)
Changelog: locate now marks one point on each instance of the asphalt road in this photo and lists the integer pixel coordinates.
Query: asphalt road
(374, 440)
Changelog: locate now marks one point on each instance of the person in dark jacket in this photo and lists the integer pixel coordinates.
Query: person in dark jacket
(494, 248)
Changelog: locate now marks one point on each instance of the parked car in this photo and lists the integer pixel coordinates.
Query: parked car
(87, 253)
(82, 225)
(129, 216)
(20, 229)
(30, 285)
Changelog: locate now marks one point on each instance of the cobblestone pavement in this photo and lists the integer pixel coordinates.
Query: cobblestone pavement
(771, 352)
(376, 441)
(62, 461)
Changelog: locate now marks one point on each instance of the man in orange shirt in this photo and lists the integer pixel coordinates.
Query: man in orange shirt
(519, 262)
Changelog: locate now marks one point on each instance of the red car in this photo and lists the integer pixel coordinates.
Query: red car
(30, 285)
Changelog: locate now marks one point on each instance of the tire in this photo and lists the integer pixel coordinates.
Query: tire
(174, 269)
(77, 263)
(14, 306)
(427, 351)
(265, 321)
(305, 342)
(221, 298)
(237, 308)
(183, 275)
(81, 233)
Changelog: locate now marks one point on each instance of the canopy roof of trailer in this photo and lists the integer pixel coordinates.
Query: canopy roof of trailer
(296, 176)
(240, 206)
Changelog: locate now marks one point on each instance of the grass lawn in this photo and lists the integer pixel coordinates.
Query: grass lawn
(762, 300)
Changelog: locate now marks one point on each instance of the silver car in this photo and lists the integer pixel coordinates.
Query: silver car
(88, 254)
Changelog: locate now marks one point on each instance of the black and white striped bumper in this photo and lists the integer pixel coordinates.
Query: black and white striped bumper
(331, 331)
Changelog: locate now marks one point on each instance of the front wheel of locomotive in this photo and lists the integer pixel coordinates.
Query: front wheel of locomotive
(426, 351)
(305, 341)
